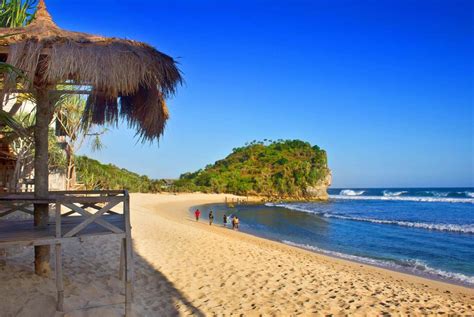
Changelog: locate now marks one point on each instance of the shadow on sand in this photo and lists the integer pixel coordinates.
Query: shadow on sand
(92, 286)
(171, 300)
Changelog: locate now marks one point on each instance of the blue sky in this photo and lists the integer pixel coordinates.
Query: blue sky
(386, 87)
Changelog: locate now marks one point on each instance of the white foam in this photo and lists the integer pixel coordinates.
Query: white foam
(415, 266)
(407, 198)
(390, 194)
(470, 194)
(467, 228)
(350, 192)
(430, 226)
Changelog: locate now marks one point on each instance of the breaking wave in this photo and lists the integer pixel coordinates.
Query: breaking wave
(408, 198)
(417, 194)
(350, 192)
(387, 193)
(468, 228)
(414, 266)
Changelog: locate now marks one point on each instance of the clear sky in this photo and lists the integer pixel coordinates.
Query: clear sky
(386, 87)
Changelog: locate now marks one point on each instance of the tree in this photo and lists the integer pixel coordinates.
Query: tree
(284, 169)
(22, 147)
(70, 124)
(16, 13)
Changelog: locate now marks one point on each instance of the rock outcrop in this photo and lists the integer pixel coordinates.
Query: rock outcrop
(319, 191)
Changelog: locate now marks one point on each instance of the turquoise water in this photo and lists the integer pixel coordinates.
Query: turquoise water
(428, 232)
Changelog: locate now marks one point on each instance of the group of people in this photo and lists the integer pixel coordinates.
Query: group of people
(234, 219)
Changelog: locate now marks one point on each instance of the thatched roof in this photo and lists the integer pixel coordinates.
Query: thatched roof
(129, 79)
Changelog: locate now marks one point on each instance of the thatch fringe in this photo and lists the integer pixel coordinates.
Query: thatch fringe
(129, 79)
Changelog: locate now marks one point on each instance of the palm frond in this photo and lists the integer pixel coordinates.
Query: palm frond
(7, 120)
(17, 13)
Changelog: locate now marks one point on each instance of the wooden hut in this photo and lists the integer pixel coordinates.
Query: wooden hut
(123, 79)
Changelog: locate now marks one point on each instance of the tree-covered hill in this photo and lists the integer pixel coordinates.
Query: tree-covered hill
(290, 169)
(94, 175)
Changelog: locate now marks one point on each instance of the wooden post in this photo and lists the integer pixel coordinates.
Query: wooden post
(3, 257)
(58, 220)
(41, 214)
(59, 278)
(59, 261)
(122, 260)
(128, 257)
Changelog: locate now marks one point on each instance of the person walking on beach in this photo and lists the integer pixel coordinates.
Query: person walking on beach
(224, 220)
(197, 214)
(235, 223)
(211, 217)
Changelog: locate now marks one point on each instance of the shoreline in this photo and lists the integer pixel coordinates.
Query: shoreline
(345, 256)
(184, 268)
(424, 287)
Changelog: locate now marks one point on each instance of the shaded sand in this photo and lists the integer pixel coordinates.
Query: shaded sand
(188, 268)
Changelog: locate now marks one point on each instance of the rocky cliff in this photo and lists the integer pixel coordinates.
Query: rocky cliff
(319, 191)
(273, 170)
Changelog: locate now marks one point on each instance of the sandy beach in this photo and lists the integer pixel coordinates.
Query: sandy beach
(186, 268)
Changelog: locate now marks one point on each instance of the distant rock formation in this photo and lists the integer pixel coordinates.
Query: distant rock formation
(319, 191)
(273, 170)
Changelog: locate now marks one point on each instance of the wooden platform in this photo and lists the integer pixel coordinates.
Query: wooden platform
(24, 233)
(77, 214)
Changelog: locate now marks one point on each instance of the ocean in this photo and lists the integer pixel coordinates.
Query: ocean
(423, 231)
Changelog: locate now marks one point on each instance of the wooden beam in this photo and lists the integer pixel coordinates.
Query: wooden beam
(58, 220)
(14, 208)
(53, 240)
(59, 279)
(122, 260)
(128, 257)
(68, 213)
(89, 220)
(87, 192)
(84, 200)
(99, 221)
(93, 206)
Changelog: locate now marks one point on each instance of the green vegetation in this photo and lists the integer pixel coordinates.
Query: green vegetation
(16, 13)
(283, 169)
(274, 169)
(95, 175)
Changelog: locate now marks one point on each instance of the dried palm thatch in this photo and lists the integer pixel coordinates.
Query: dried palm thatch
(129, 79)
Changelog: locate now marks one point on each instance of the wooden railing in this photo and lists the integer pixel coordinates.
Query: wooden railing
(77, 214)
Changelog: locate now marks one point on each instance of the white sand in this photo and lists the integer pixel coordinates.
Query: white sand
(188, 268)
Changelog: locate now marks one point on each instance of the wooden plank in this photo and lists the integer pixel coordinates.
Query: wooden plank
(93, 206)
(26, 211)
(14, 208)
(72, 212)
(6, 213)
(23, 231)
(58, 220)
(88, 192)
(59, 279)
(82, 200)
(99, 221)
(122, 260)
(91, 219)
(23, 197)
(128, 279)
(53, 241)
(128, 257)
